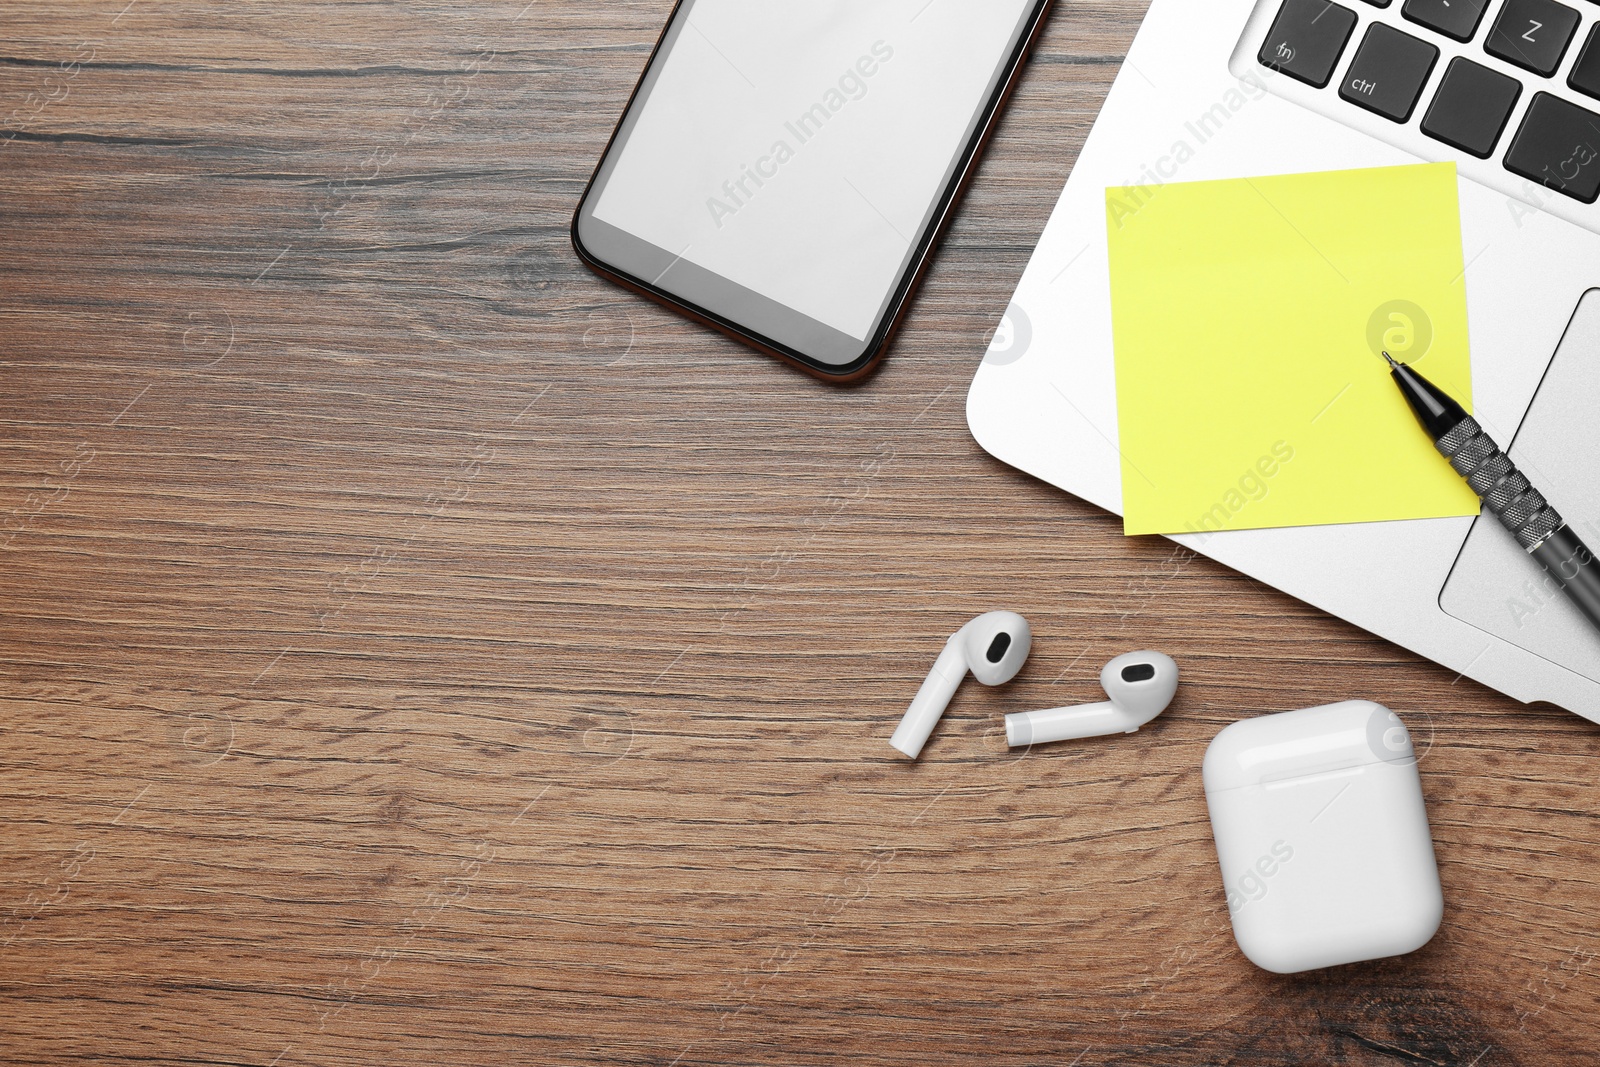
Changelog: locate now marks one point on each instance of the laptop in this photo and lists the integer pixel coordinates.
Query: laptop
(1508, 90)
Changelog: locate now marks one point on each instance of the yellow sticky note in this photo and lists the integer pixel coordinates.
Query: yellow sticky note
(1248, 317)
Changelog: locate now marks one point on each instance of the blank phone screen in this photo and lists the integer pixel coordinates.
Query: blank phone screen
(800, 150)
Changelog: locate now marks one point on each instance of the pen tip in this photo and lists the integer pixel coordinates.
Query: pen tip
(1391, 360)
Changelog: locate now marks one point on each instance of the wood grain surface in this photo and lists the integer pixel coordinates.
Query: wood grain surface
(418, 651)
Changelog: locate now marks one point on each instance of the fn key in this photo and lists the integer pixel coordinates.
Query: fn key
(1307, 39)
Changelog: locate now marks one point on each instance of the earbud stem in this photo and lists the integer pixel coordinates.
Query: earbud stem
(1066, 724)
(931, 700)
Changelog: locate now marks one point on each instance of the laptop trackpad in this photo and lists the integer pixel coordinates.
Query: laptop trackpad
(1495, 586)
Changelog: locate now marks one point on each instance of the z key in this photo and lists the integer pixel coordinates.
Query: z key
(1533, 34)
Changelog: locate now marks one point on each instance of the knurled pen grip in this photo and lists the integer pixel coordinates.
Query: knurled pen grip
(1504, 490)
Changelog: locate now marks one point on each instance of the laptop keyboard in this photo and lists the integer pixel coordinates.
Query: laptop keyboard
(1517, 50)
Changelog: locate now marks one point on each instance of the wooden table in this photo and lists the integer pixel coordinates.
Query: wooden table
(418, 651)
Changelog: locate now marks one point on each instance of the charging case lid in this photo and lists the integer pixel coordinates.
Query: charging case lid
(1295, 744)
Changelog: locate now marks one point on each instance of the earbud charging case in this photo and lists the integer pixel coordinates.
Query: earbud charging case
(1322, 837)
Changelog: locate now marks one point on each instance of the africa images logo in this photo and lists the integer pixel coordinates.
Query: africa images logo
(852, 85)
(1252, 885)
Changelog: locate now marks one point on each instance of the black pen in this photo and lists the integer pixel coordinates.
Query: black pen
(1520, 507)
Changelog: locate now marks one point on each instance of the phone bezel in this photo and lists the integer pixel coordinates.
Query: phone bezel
(898, 303)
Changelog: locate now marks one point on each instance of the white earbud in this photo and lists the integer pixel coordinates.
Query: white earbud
(993, 647)
(1140, 685)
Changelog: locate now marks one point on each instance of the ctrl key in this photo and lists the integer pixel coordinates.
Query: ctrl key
(1307, 39)
(1559, 146)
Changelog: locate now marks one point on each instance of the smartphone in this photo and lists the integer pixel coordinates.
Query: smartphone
(783, 169)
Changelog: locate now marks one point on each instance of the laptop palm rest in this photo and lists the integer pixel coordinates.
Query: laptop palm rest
(1494, 585)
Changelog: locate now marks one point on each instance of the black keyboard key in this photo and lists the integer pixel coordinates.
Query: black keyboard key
(1586, 72)
(1389, 72)
(1453, 18)
(1307, 39)
(1471, 108)
(1533, 34)
(1558, 145)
